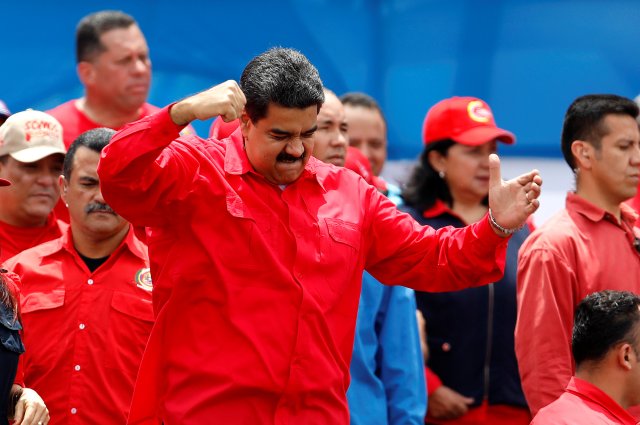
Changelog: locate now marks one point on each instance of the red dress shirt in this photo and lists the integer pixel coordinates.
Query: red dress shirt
(258, 327)
(14, 240)
(84, 332)
(585, 404)
(579, 251)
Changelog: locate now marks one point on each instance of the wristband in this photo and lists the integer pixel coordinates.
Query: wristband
(502, 229)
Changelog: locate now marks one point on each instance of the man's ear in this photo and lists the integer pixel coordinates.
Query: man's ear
(86, 73)
(626, 356)
(583, 153)
(245, 122)
(64, 186)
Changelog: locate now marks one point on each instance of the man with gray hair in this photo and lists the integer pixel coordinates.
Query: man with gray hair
(265, 248)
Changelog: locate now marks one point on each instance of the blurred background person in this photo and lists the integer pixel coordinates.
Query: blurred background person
(368, 133)
(114, 67)
(387, 366)
(473, 375)
(31, 157)
(330, 140)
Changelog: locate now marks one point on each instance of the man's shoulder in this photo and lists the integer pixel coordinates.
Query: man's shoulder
(556, 231)
(63, 110)
(31, 257)
(569, 409)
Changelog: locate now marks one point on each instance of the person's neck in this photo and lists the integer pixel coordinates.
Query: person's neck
(610, 383)
(23, 221)
(593, 195)
(105, 113)
(95, 246)
(469, 211)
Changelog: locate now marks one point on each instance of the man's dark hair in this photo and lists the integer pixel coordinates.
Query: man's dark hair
(362, 100)
(281, 76)
(92, 26)
(584, 120)
(95, 140)
(603, 320)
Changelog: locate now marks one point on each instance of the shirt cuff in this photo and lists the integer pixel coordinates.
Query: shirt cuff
(433, 381)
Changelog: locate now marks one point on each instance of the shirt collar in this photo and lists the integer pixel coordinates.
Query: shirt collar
(130, 242)
(236, 160)
(587, 390)
(594, 213)
(439, 208)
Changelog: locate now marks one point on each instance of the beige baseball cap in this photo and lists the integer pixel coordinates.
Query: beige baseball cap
(30, 135)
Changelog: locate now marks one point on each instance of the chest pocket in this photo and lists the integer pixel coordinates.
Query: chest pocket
(339, 253)
(37, 301)
(132, 306)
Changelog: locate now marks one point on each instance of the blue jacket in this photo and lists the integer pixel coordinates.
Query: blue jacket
(387, 368)
(470, 332)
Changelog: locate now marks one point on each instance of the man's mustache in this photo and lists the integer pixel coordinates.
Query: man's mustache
(98, 207)
(285, 157)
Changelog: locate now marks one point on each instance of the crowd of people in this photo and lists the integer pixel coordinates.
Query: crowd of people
(268, 274)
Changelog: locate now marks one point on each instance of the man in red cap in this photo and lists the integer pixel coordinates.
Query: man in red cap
(265, 249)
(589, 246)
(31, 156)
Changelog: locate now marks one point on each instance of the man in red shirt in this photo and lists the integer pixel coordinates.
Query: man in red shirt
(31, 155)
(606, 350)
(114, 67)
(86, 301)
(264, 248)
(585, 248)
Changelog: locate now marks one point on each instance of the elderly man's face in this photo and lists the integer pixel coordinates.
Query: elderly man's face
(279, 145)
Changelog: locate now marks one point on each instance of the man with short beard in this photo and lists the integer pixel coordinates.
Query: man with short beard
(86, 301)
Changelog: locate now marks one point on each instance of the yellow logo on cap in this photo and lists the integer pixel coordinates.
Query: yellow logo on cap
(143, 279)
(478, 112)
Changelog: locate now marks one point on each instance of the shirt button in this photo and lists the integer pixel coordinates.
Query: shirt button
(81, 326)
(74, 410)
(90, 281)
(77, 367)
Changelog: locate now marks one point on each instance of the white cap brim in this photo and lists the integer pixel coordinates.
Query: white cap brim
(36, 153)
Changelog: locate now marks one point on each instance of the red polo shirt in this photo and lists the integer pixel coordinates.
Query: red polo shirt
(265, 282)
(14, 240)
(581, 250)
(585, 404)
(84, 332)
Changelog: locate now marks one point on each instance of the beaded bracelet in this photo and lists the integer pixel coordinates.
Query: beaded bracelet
(502, 229)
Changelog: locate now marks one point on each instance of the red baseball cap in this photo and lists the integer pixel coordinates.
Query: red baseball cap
(465, 120)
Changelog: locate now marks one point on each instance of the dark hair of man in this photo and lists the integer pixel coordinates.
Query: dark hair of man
(603, 320)
(95, 140)
(90, 29)
(362, 100)
(281, 76)
(425, 186)
(584, 120)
